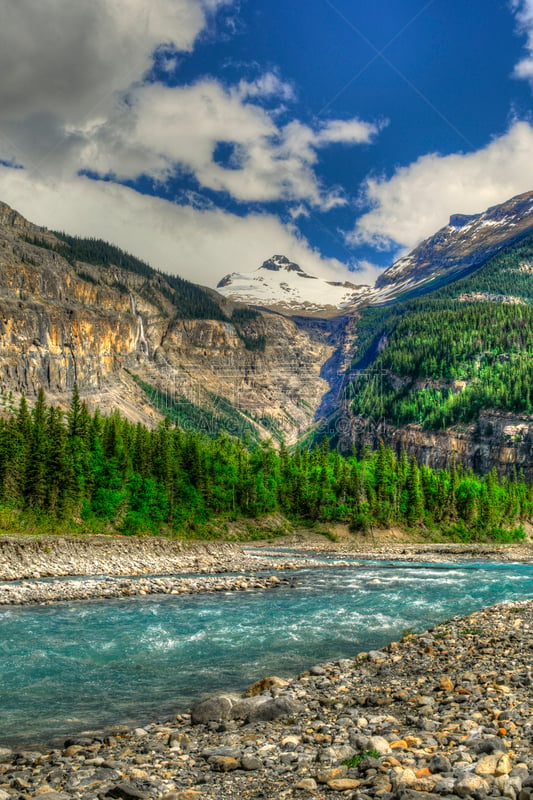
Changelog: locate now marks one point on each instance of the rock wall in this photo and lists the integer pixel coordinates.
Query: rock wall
(207, 357)
(63, 322)
(497, 440)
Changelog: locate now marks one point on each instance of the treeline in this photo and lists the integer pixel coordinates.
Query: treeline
(450, 354)
(110, 474)
(191, 301)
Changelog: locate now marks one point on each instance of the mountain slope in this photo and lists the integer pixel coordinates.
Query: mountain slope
(83, 311)
(458, 249)
(430, 373)
(453, 357)
(282, 285)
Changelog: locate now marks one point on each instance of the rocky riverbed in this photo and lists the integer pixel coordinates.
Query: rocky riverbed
(30, 592)
(123, 567)
(441, 714)
(365, 548)
(43, 556)
(24, 557)
(119, 567)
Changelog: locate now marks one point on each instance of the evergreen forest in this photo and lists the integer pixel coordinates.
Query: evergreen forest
(80, 471)
(445, 356)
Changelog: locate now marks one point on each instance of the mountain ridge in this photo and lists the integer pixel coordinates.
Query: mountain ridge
(448, 374)
(154, 345)
(462, 246)
(457, 249)
(147, 343)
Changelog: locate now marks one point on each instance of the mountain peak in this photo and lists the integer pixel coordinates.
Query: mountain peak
(278, 263)
(279, 284)
(467, 242)
(12, 219)
(460, 220)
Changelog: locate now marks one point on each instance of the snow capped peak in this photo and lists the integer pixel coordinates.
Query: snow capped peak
(281, 284)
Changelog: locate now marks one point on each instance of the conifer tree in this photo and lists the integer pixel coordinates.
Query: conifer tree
(415, 500)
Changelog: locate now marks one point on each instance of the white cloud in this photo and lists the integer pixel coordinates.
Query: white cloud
(524, 15)
(72, 98)
(202, 245)
(62, 62)
(161, 129)
(75, 96)
(267, 85)
(351, 131)
(418, 199)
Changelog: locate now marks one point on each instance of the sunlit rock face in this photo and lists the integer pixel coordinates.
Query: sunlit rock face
(62, 321)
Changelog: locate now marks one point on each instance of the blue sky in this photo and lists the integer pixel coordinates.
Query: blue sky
(205, 135)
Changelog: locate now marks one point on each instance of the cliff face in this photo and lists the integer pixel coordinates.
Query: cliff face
(207, 362)
(55, 327)
(497, 440)
(63, 322)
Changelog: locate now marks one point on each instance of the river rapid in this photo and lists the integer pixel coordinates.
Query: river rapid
(69, 667)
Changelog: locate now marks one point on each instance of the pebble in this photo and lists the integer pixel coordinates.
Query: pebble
(443, 714)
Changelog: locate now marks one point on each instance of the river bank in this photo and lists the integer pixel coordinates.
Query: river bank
(24, 557)
(442, 714)
(126, 567)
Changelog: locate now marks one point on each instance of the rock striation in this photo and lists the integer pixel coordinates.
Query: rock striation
(107, 328)
(496, 441)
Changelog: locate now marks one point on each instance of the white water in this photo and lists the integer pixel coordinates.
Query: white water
(76, 666)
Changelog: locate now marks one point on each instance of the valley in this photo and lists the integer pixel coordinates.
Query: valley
(266, 409)
(145, 343)
(444, 373)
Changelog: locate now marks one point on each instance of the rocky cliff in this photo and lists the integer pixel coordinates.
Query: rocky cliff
(108, 329)
(496, 440)
(129, 339)
(56, 327)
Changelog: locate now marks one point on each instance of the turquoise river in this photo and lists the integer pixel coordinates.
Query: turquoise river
(70, 667)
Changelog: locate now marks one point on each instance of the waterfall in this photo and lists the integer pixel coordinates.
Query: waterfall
(142, 344)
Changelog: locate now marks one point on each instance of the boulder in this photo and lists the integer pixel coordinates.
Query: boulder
(263, 685)
(272, 709)
(214, 709)
(261, 708)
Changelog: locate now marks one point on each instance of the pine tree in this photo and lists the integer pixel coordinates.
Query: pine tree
(415, 499)
(35, 489)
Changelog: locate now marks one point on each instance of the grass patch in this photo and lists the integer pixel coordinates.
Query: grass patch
(471, 632)
(354, 761)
